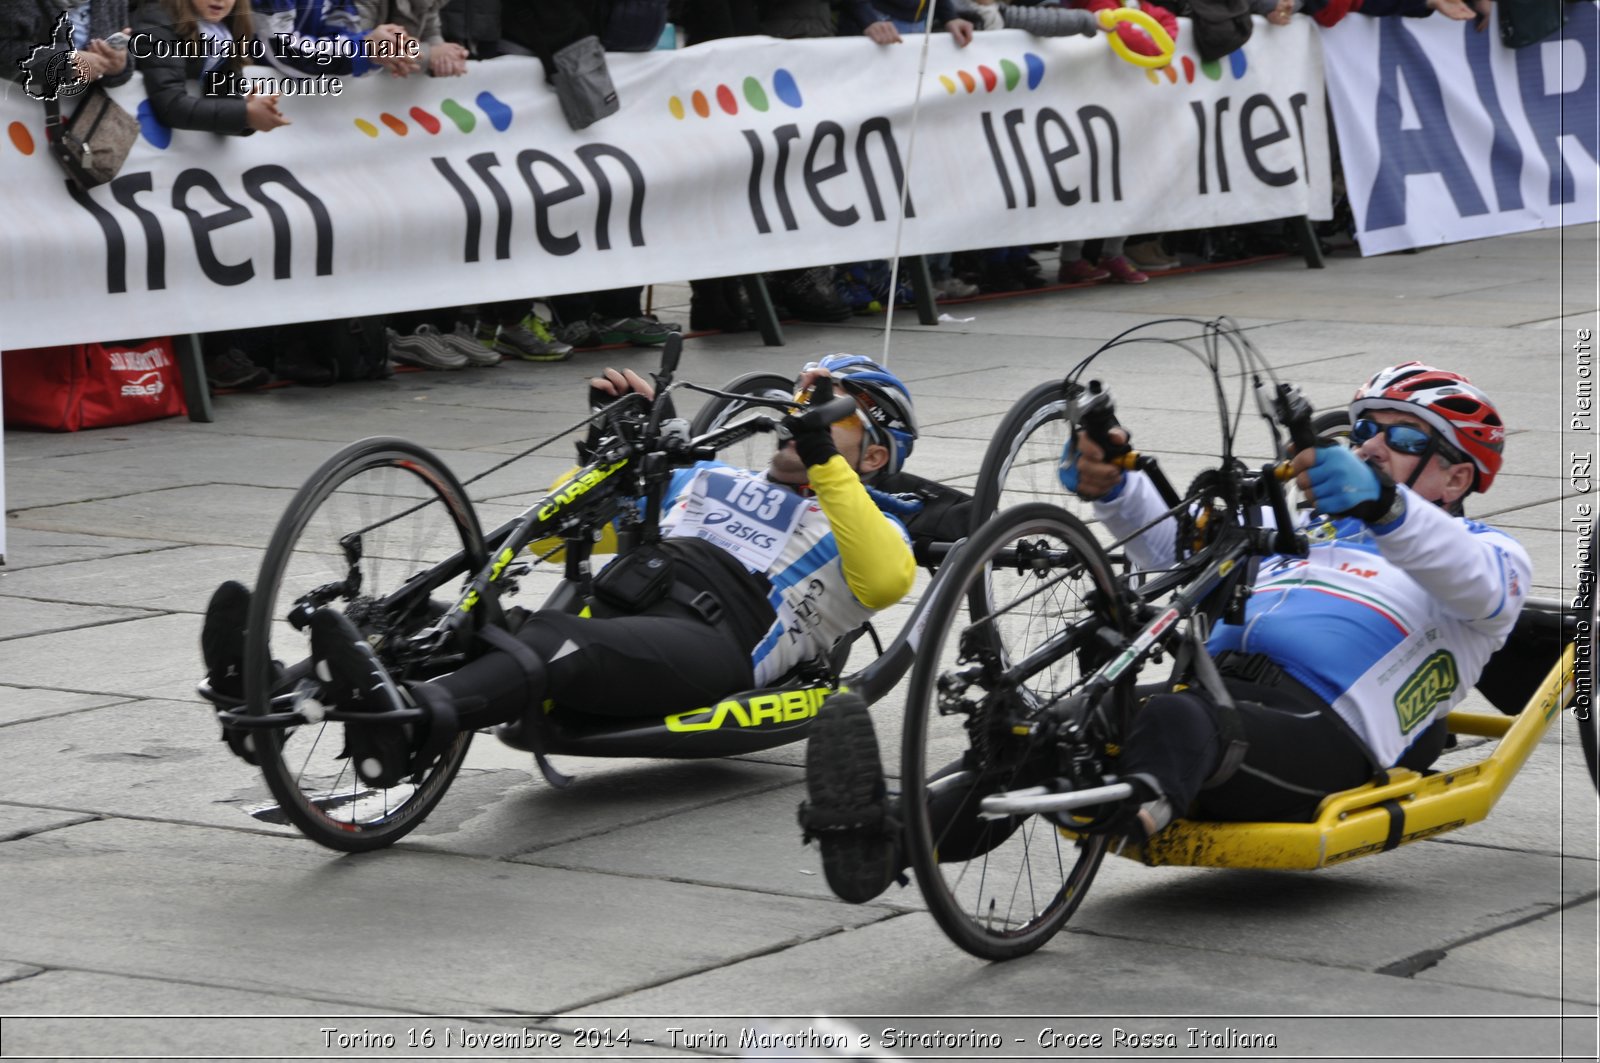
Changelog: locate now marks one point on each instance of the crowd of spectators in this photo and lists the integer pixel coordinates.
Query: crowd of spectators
(214, 91)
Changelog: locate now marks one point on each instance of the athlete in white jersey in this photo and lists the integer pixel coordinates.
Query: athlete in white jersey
(770, 567)
(1347, 660)
(1352, 654)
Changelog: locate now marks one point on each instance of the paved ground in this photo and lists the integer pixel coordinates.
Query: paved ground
(135, 885)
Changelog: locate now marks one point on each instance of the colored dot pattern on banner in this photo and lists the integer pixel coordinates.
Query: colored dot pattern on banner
(21, 139)
(727, 100)
(1211, 69)
(1010, 75)
(155, 133)
(500, 116)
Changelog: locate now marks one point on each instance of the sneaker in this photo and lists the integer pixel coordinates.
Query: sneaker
(1123, 271)
(580, 334)
(1151, 257)
(234, 369)
(1079, 271)
(809, 295)
(464, 341)
(299, 365)
(848, 808)
(638, 331)
(851, 287)
(519, 341)
(953, 287)
(424, 348)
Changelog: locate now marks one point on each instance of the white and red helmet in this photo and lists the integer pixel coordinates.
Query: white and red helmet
(1462, 415)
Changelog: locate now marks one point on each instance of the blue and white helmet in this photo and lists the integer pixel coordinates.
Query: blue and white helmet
(884, 399)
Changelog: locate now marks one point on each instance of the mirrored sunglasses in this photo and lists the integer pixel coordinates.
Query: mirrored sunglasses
(1400, 438)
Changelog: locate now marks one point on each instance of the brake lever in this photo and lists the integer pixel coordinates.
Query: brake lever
(1092, 411)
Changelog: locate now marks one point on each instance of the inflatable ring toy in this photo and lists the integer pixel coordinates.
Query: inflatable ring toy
(1108, 21)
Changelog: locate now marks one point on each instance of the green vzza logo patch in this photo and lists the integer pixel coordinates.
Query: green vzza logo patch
(1425, 688)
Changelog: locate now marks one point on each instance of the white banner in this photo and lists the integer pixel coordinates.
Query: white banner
(732, 157)
(1445, 134)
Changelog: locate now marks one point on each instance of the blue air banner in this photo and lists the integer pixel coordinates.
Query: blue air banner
(728, 158)
(1445, 134)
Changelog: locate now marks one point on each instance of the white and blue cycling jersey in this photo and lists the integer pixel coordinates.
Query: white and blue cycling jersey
(786, 536)
(1390, 626)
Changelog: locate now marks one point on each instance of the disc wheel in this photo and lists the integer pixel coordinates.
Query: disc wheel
(1031, 585)
(719, 412)
(372, 519)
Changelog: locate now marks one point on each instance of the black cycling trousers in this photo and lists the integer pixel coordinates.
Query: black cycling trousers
(664, 660)
(1299, 753)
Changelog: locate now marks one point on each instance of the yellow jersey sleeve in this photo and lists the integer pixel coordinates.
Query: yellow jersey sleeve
(877, 561)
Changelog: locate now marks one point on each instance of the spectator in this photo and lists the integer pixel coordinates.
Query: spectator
(225, 28)
(614, 316)
(719, 303)
(857, 282)
(885, 20)
(26, 24)
(420, 19)
(513, 329)
(221, 107)
(309, 38)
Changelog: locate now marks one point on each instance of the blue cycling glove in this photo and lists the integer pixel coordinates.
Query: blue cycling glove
(1344, 484)
(1067, 473)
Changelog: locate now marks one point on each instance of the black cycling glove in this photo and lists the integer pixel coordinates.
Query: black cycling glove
(814, 445)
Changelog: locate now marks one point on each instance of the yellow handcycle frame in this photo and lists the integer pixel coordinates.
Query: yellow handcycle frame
(1377, 817)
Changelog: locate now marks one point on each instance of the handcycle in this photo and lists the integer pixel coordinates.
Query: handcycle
(384, 532)
(1024, 685)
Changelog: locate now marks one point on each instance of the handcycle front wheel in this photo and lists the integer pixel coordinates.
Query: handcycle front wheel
(1040, 590)
(374, 518)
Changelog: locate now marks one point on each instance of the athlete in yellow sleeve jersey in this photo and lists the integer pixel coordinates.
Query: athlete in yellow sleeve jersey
(769, 568)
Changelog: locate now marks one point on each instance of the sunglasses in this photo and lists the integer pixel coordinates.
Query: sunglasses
(803, 397)
(1401, 438)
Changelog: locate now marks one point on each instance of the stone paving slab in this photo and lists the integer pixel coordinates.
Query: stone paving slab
(505, 811)
(155, 1019)
(1082, 982)
(398, 930)
(177, 580)
(23, 618)
(32, 548)
(1522, 958)
(156, 657)
(21, 704)
(16, 822)
(150, 759)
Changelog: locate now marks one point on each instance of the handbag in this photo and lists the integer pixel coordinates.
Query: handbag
(92, 145)
(583, 84)
(1525, 22)
(92, 385)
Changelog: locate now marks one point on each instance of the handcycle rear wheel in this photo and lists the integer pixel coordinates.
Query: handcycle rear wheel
(1024, 455)
(719, 412)
(1002, 888)
(409, 514)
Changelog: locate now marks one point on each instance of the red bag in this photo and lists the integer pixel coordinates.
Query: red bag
(92, 385)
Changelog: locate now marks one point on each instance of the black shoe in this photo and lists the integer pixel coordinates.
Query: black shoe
(350, 672)
(222, 639)
(848, 808)
(299, 365)
(234, 369)
(810, 295)
(353, 678)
